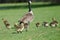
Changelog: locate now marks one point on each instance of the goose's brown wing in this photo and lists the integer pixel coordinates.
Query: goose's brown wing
(27, 17)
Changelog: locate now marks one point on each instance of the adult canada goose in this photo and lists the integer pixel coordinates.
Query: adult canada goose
(28, 17)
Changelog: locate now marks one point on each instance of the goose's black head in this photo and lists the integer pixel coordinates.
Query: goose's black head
(29, 5)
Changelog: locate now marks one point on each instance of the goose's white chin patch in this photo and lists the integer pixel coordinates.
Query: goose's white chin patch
(30, 1)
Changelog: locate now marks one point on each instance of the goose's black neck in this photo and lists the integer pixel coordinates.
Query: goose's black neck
(29, 5)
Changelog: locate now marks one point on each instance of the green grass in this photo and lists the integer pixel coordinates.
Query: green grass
(40, 14)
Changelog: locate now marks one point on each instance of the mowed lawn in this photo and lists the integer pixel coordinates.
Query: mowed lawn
(41, 13)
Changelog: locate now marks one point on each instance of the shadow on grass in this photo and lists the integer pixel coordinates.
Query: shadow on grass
(25, 6)
(14, 32)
